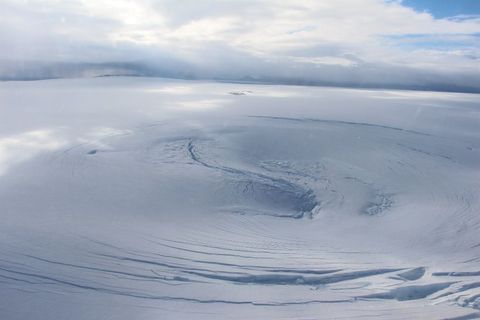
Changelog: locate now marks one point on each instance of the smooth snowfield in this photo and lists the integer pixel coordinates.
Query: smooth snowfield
(137, 198)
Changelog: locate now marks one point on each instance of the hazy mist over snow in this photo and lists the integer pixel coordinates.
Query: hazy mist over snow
(359, 43)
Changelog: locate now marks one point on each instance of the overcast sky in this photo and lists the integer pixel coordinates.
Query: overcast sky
(412, 41)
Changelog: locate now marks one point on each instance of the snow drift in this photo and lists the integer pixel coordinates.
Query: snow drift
(149, 198)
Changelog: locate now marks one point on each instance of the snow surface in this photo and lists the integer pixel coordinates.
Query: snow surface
(136, 198)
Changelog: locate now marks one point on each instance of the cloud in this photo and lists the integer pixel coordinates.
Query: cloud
(310, 40)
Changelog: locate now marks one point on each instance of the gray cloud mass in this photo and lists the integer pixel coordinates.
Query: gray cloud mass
(362, 43)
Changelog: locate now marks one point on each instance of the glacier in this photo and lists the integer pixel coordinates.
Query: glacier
(147, 198)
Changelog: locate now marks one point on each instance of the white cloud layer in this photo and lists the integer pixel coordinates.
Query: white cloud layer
(325, 40)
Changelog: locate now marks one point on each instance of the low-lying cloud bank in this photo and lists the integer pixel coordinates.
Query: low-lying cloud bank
(368, 76)
(365, 43)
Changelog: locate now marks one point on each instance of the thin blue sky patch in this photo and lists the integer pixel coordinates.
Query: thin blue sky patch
(445, 8)
(433, 41)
